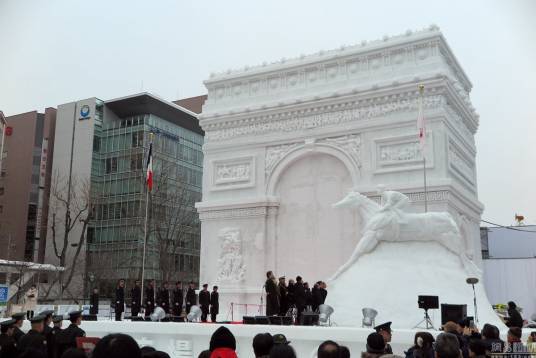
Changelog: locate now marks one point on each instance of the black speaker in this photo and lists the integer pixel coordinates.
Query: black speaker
(248, 320)
(89, 317)
(287, 320)
(309, 319)
(428, 302)
(452, 313)
(262, 320)
(276, 320)
(137, 319)
(176, 319)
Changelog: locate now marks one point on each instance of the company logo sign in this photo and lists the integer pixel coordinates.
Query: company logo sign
(84, 112)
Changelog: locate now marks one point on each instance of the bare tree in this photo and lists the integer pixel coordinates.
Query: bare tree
(70, 213)
(174, 221)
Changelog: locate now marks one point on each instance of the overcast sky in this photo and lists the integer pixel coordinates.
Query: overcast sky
(56, 51)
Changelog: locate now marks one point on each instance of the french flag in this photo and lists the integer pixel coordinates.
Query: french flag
(150, 168)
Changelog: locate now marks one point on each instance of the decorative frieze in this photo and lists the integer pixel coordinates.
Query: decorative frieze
(460, 163)
(233, 173)
(235, 213)
(400, 153)
(433, 196)
(350, 144)
(275, 153)
(231, 267)
(302, 121)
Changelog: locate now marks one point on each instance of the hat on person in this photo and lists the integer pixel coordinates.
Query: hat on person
(46, 313)
(37, 319)
(7, 323)
(74, 314)
(18, 316)
(57, 319)
(375, 343)
(222, 338)
(384, 327)
(282, 277)
(280, 339)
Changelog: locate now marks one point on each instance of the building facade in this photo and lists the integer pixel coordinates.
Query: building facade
(286, 140)
(103, 161)
(25, 184)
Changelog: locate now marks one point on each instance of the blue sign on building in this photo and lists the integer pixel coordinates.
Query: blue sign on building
(4, 294)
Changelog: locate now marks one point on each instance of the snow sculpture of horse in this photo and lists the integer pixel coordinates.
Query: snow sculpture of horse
(392, 224)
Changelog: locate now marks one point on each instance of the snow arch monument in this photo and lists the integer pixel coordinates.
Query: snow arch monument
(287, 139)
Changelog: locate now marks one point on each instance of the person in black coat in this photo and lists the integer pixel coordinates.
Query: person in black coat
(66, 338)
(163, 297)
(214, 304)
(316, 296)
(178, 298)
(94, 302)
(308, 295)
(323, 292)
(204, 302)
(283, 299)
(299, 296)
(119, 300)
(34, 339)
(47, 330)
(58, 322)
(514, 318)
(290, 294)
(135, 299)
(19, 320)
(149, 298)
(272, 295)
(191, 298)
(8, 346)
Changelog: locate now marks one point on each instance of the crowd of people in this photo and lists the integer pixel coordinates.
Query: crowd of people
(174, 301)
(281, 298)
(48, 339)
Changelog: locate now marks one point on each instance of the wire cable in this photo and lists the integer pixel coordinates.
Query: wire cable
(507, 227)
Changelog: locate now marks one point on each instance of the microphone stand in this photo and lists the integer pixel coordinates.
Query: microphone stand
(474, 302)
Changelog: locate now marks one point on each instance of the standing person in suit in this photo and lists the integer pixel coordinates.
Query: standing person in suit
(385, 331)
(119, 300)
(317, 297)
(58, 322)
(323, 292)
(290, 294)
(204, 302)
(214, 304)
(178, 299)
(47, 330)
(149, 298)
(135, 296)
(283, 296)
(272, 295)
(94, 302)
(163, 297)
(299, 296)
(191, 298)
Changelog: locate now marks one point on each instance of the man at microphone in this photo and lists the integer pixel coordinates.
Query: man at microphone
(272, 295)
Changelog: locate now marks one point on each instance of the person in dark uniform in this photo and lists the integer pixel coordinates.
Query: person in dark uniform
(385, 330)
(135, 296)
(283, 296)
(8, 346)
(290, 294)
(119, 300)
(323, 292)
(34, 339)
(204, 302)
(19, 320)
(191, 298)
(47, 330)
(299, 297)
(214, 304)
(178, 298)
(308, 295)
(317, 297)
(272, 295)
(163, 297)
(149, 299)
(94, 302)
(67, 338)
(58, 322)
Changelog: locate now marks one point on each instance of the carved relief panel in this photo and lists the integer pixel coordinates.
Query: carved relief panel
(233, 173)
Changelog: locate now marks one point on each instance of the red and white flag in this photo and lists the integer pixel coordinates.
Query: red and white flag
(150, 168)
(421, 126)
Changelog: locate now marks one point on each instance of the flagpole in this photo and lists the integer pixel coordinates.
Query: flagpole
(145, 232)
(421, 95)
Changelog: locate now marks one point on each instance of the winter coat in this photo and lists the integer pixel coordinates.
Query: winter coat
(30, 301)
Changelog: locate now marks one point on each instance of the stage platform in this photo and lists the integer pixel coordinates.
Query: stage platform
(189, 339)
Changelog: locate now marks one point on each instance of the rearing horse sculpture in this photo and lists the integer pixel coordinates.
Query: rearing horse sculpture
(390, 223)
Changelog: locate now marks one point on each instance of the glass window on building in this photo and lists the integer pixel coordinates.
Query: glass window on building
(111, 165)
(137, 139)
